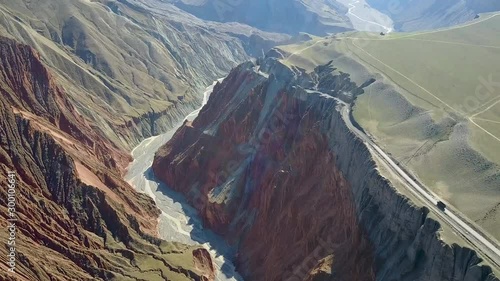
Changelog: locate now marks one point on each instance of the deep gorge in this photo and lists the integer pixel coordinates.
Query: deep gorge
(278, 174)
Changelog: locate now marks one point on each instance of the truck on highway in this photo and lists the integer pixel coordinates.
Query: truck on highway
(441, 205)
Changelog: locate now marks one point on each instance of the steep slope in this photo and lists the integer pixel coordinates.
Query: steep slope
(74, 217)
(286, 16)
(409, 15)
(129, 68)
(271, 164)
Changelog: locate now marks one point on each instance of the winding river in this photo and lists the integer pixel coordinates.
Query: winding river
(179, 221)
(366, 18)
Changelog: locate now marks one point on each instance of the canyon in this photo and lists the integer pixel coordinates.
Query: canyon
(277, 166)
(78, 92)
(132, 68)
(128, 167)
(75, 216)
(178, 222)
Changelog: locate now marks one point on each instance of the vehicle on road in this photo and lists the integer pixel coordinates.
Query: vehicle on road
(441, 205)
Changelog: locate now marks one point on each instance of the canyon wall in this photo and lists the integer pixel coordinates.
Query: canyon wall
(75, 218)
(271, 165)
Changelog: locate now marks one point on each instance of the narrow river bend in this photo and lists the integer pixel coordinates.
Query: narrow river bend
(178, 222)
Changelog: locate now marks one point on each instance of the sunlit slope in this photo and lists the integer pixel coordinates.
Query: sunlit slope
(446, 128)
(453, 72)
(435, 106)
(443, 68)
(130, 66)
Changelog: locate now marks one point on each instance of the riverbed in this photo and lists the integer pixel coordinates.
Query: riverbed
(179, 221)
(366, 18)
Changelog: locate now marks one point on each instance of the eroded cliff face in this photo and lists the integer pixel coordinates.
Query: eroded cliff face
(270, 164)
(76, 218)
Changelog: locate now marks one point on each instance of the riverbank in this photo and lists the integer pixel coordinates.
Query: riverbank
(178, 222)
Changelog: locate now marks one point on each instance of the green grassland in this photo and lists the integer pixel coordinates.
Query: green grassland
(435, 106)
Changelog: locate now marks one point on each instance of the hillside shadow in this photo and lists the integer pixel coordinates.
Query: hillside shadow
(170, 201)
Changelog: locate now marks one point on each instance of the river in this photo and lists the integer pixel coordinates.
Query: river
(366, 18)
(179, 221)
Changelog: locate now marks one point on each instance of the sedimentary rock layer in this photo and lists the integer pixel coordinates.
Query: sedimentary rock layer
(273, 167)
(76, 219)
(131, 67)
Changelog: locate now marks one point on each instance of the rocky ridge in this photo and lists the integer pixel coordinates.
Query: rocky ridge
(76, 218)
(133, 68)
(279, 174)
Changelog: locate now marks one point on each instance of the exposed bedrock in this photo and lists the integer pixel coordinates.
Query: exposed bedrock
(274, 168)
(77, 219)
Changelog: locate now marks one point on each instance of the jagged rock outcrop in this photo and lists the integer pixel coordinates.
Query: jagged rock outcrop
(76, 219)
(273, 167)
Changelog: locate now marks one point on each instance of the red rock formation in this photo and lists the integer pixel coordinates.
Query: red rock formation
(275, 169)
(30, 90)
(203, 262)
(76, 218)
(289, 208)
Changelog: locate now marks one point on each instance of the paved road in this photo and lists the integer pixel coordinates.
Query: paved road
(487, 247)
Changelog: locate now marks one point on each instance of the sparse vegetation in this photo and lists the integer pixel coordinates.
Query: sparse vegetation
(435, 106)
